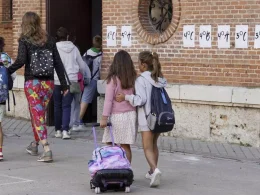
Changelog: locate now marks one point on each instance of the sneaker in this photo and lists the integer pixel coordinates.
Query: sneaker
(45, 157)
(1, 156)
(65, 135)
(78, 127)
(32, 149)
(58, 134)
(148, 175)
(156, 178)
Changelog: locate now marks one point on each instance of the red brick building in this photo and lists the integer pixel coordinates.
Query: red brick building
(218, 102)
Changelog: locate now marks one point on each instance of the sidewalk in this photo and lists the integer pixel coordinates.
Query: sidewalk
(16, 128)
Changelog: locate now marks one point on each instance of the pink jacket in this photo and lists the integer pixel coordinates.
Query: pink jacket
(111, 106)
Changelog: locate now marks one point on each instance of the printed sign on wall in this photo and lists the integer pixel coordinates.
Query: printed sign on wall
(188, 36)
(111, 36)
(126, 36)
(205, 36)
(242, 36)
(257, 36)
(223, 36)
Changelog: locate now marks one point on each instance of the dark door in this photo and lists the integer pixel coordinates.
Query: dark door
(76, 16)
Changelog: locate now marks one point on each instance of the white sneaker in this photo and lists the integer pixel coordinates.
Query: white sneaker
(78, 127)
(156, 178)
(65, 135)
(1, 156)
(148, 176)
(58, 134)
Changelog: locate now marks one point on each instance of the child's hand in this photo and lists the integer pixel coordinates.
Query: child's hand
(103, 122)
(120, 97)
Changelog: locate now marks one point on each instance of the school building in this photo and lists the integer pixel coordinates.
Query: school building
(208, 50)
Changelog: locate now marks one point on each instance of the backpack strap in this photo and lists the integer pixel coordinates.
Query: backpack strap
(98, 67)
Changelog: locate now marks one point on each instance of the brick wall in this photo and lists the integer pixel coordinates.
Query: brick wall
(232, 67)
(11, 31)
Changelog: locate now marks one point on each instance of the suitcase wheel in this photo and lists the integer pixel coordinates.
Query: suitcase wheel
(97, 190)
(127, 190)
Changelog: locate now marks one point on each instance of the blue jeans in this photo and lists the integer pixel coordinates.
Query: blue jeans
(62, 109)
(75, 110)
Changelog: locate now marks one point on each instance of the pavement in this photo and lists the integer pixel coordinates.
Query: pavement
(183, 174)
(18, 127)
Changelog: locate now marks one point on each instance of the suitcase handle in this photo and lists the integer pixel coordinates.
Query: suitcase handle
(95, 136)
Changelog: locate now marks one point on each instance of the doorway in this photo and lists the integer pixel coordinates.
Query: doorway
(83, 19)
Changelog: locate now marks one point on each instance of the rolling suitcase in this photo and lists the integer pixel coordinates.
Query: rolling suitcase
(109, 167)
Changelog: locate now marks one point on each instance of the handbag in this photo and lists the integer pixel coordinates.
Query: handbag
(74, 86)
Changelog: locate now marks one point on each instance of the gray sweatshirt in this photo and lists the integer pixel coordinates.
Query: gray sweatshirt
(142, 97)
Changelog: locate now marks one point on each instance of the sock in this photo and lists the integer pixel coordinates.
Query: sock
(81, 121)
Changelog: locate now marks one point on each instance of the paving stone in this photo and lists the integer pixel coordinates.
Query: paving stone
(255, 152)
(9, 123)
(204, 147)
(196, 146)
(187, 145)
(221, 149)
(230, 151)
(212, 148)
(180, 144)
(247, 153)
(239, 153)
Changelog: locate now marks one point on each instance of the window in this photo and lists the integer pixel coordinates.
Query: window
(156, 24)
(7, 10)
(160, 14)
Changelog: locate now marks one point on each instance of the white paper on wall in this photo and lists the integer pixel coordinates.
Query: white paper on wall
(224, 36)
(126, 36)
(241, 36)
(205, 36)
(188, 36)
(257, 36)
(111, 36)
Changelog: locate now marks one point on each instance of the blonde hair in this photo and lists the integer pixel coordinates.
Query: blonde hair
(32, 30)
(153, 63)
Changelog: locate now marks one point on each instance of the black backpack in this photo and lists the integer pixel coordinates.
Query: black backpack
(161, 119)
(42, 63)
(88, 59)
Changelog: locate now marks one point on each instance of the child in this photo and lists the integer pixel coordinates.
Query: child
(120, 79)
(92, 58)
(150, 68)
(6, 61)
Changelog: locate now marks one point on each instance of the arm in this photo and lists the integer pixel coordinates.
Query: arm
(109, 98)
(14, 74)
(139, 99)
(21, 59)
(59, 68)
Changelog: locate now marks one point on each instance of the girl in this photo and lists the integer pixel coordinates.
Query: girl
(73, 64)
(38, 87)
(6, 61)
(120, 79)
(151, 75)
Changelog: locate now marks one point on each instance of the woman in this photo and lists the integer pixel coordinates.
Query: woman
(151, 75)
(73, 64)
(34, 46)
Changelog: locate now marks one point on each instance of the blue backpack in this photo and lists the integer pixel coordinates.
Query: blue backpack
(6, 81)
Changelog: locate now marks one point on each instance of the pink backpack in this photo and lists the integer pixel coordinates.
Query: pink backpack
(81, 81)
(107, 157)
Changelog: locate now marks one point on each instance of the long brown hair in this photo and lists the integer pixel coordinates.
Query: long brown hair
(123, 68)
(153, 63)
(32, 30)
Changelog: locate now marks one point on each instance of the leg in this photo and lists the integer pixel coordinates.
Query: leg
(2, 109)
(77, 108)
(127, 148)
(155, 149)
(148, 138)
(72, 115)
(36, 137)
(83, 109)
(57, 97)
(66, 111)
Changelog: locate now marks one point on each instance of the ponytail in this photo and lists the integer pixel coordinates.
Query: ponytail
(157, 69)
